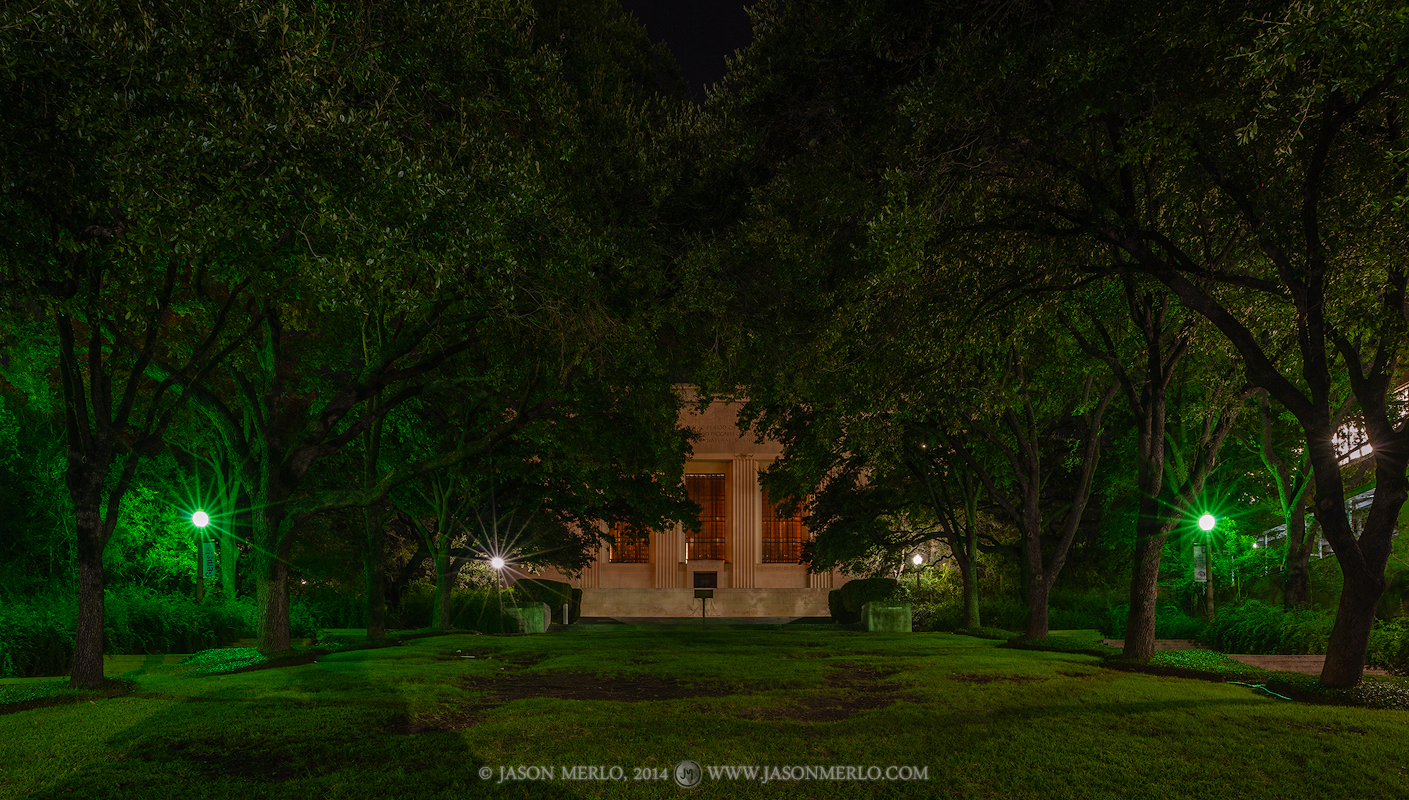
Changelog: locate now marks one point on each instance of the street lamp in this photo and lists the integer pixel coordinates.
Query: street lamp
(1206, 523)
(205, 554)
(917, 560)
(496, 562)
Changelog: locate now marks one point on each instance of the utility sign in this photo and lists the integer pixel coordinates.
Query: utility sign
(1200, 565)
(208, 560)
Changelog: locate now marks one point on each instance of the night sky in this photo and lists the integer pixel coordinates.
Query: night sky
(701, 33)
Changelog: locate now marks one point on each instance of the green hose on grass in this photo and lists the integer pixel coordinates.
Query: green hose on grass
(1261, 686)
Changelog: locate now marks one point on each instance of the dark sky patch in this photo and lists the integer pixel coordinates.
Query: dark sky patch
(701, 33)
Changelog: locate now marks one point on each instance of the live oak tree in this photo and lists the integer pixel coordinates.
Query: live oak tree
(1147, 351)
(1242, 155)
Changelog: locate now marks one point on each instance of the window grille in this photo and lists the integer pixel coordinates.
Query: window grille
(782, 535)
(708, 542)
(629, 547)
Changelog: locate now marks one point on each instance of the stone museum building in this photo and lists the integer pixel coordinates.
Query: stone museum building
(745, 550)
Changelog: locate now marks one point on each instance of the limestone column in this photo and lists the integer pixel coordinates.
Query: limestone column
(747, 521)
(668, 551)
(591, 577)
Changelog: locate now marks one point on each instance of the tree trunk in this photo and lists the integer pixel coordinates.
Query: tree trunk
(443, 583)
(1037, 610)
(1362, 559)
(1296, 589)
(1350, 637)
(87, 670)
(272, 571)
(968, 574)
(374, 567)
(272, 586)
(1150, 537)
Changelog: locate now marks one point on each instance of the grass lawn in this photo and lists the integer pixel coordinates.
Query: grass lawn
(424, 719)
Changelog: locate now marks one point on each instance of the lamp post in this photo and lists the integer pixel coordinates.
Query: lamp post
(1206, 524)
(498, 564)
(917, 560)
(200, 519)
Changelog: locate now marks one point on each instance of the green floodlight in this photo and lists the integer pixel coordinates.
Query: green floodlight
(200, 519)
(1206, 522)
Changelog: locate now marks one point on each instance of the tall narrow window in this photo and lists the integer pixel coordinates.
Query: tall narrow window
(708, 542)
(782, 535)
(630, 547)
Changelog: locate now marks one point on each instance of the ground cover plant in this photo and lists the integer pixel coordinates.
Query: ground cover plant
(423, 718)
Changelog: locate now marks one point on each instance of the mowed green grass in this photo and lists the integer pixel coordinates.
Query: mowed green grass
(420, 720)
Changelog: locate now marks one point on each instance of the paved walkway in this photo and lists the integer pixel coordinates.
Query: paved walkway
(1311, 665)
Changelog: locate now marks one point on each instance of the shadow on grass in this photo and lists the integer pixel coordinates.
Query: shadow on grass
(311, 730)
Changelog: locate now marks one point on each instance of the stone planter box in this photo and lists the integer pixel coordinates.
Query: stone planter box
(529, 617)
(887, 616)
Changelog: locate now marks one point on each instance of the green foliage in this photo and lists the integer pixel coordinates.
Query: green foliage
(37, 634)
(470, 609)
(1254, 627)
(220, 661)
(1203, 661)
(1389, 646)
(1170, 623)
(845, 603)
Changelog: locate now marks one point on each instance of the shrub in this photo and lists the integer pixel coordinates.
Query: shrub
(1255, 627)
(1389, 646)
(1170, 623)
(845, 603)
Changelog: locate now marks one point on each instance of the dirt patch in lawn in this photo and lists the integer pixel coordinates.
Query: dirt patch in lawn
(471, 655)
(847, 691)
(980, 678)
(588, 686)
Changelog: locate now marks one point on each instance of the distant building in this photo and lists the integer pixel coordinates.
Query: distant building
(745, 550)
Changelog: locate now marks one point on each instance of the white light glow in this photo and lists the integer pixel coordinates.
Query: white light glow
(918, 559)
(200, 519)
(496, 562)
(1206, 522)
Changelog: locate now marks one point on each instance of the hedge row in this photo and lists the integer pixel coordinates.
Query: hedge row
(36, 634)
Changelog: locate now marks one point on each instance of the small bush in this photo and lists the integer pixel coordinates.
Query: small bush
(845, 603)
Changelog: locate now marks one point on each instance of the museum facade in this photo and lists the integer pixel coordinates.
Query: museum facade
(745, 551)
